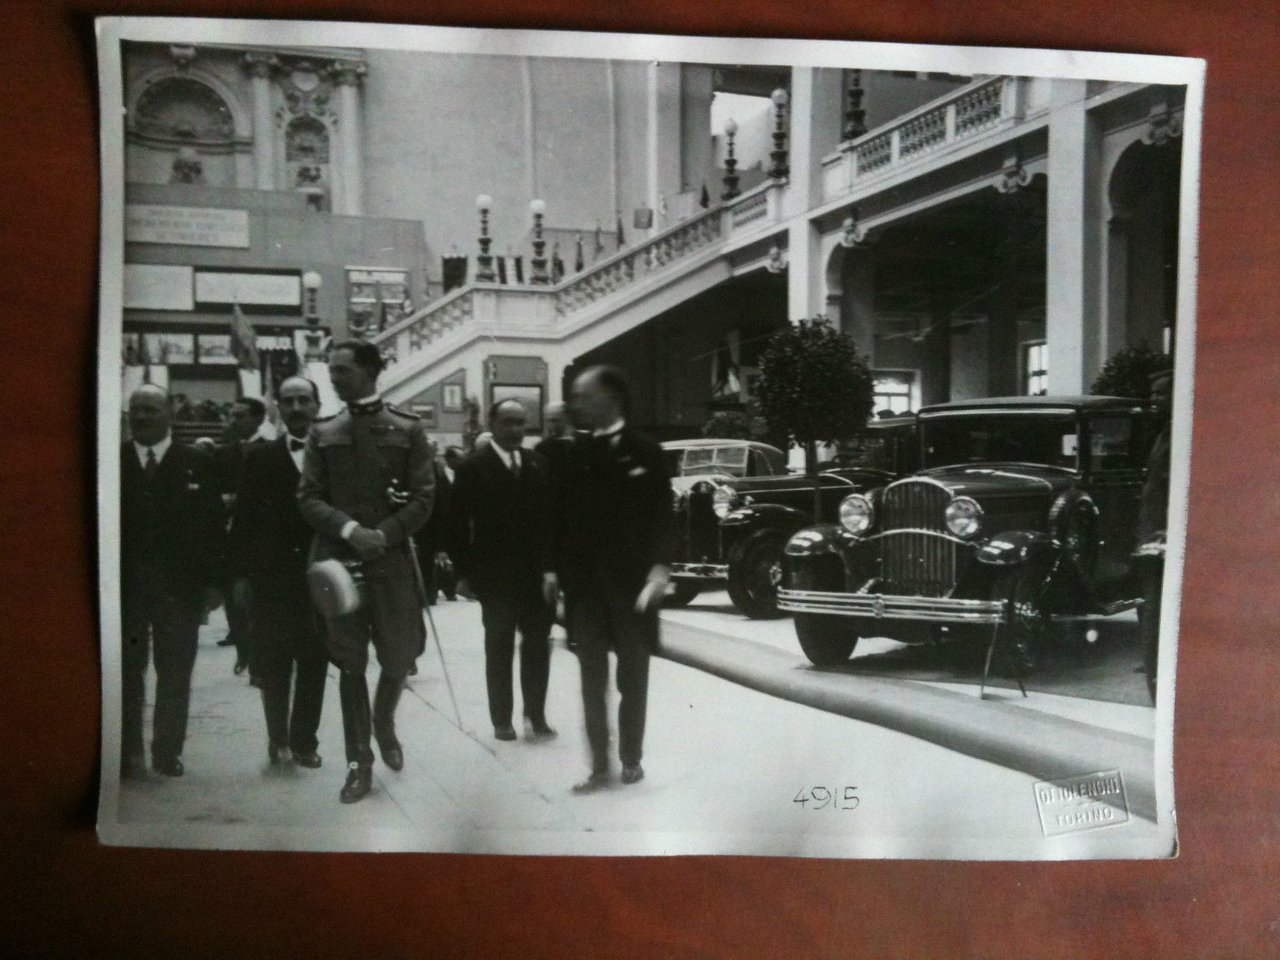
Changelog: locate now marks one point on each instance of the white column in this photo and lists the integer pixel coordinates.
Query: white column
(662, 146)
(805, 293)
(259, 66)
(350, 137)
(814, 121)
(1071, 281)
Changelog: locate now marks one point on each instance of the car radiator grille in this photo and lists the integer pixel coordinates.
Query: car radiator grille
(910, 559)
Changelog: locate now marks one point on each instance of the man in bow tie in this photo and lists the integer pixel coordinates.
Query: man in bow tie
(613, 526)
(367, 487)
(270, 542)
(171, 546)
(500, 542)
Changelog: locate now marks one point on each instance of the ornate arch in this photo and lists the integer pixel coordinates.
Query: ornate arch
(217, 92)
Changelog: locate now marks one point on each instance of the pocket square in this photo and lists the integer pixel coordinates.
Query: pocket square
(637, 472)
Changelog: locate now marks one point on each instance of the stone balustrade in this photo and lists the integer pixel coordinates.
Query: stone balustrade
(509, 306)
(984, 105)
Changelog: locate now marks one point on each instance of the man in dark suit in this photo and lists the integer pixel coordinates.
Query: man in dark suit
(501, 548)
(269, 546)
(366, 489)
(244, 432)
(171, 547)
(436, 566)
(613, 527)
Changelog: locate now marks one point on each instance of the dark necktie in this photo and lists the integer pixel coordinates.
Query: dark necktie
(152, 465)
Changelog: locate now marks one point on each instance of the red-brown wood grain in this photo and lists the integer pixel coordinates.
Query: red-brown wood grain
(64, 895)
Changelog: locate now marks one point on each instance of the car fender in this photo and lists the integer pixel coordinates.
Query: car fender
(818, 541)
(1013, 547)
(774, 516)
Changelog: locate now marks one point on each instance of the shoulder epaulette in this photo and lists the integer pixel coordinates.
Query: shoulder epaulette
(403, 413)
(332, 416)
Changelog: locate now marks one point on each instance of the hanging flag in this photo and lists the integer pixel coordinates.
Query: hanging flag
(501, 263)
(244, 346)
(705, 200)
(599, 252)
(622, 239)
(518, 263)
(557, 265)
(579, 259)
(644, 218)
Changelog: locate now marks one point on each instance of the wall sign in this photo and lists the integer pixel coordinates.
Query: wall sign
(259, 289)
(186, 226)
(150, 286)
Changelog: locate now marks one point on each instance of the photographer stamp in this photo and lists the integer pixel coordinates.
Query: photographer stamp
(1083, 802)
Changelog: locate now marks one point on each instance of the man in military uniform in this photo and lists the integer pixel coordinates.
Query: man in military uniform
(367, 486)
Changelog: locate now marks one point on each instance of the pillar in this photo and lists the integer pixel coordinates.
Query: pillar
(857, 306)
(814, 116)
(662, 145)
(805, 297)
(1071, 281)
(347, 76)
(259, 67)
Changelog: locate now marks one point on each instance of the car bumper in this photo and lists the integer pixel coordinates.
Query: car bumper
(699, 571)
(880, 606)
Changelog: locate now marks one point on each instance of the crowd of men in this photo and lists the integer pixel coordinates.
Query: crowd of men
(333, 536)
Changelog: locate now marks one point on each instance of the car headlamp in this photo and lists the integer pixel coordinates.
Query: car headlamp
(856, 514)
(964, 517)
(723, 500)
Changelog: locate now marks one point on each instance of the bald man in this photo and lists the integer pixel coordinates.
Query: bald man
(171, 558)
(270, 542)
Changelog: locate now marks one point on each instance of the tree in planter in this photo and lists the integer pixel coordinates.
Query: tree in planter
(728, 425)
(814, 388)
(1128, 372)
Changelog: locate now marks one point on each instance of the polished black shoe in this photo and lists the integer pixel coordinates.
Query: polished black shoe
(359, 783)
(597, 781)
(169, 766)
(133, 767)
(310, 760)
(277, 755)
(507, 732)
(633, 773)
(541, 730)
(392, 754)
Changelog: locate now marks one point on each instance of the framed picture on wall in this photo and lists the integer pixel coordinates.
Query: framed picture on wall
(452, 398)
(427, 411)
(530, 395)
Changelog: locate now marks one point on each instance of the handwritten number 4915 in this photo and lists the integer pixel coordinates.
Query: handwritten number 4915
(835, 798)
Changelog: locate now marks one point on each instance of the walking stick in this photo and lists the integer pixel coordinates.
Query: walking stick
(444, 667)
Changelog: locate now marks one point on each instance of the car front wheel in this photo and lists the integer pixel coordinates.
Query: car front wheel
(827, 641)
(755, 571)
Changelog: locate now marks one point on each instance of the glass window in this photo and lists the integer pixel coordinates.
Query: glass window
(1035, 364)
(891, 392)
(1111, 444)
(1045, 438)
(376, 298)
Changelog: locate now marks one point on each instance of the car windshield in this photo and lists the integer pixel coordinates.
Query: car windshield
(1049, 438)
(700, 461)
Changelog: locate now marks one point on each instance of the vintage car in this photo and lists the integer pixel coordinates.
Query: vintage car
(760, 514)
(702, 473)
(736, 505)
(1021, 526)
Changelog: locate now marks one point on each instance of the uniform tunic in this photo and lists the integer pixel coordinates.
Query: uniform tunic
(352, 464)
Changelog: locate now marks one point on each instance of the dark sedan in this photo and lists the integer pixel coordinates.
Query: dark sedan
(1023, 516)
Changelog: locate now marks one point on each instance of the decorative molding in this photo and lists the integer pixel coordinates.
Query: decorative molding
(1013, 176)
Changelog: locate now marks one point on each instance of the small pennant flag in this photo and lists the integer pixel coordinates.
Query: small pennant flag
(622, 239)
(705, 200)
(244, 344)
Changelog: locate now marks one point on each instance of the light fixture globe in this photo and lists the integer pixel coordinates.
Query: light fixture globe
(484, 202)
(537, 207)
(731, 128)
(779, 97)
(311, 280)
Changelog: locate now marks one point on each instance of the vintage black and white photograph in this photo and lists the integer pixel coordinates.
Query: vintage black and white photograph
(535, 442)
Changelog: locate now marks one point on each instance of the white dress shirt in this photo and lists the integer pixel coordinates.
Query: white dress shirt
(160, 449)
(300, 442)
(511, 458)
